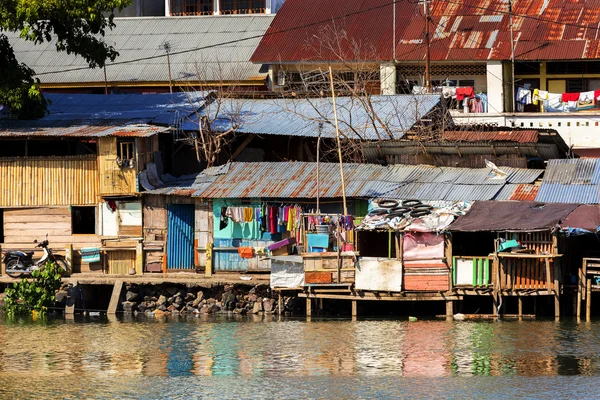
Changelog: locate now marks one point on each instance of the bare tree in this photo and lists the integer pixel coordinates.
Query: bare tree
(356, 80)
(221, 113)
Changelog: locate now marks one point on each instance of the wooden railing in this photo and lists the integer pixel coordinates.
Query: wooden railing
(526, 271)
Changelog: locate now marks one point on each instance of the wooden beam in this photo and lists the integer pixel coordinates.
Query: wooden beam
(115, 297)
(376, 296)
(588, 300)
(241, 147)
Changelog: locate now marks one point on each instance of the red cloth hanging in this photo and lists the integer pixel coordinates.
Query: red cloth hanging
(462, 92)
(273, 211)
(570, 97)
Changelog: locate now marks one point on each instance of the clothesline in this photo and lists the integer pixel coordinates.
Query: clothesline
(556, 102)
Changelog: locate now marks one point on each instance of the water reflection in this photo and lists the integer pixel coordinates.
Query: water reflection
(266, 347)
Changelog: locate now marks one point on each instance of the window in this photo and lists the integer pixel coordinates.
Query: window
(83, 220)
(242, 6)
(527, 68)
(192, 7)
(125, 150)
(466, 83)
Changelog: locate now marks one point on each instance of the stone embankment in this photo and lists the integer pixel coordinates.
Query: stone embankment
(160, 300)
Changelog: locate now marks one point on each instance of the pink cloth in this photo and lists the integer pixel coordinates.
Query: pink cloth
(423, 246)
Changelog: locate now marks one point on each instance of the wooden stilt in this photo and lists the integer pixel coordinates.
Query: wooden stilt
(280, 303)
(308, 307)
(449, 308)
(320, 304)
(520, 303)
(588, 300)
(354, 309)
(556, 289)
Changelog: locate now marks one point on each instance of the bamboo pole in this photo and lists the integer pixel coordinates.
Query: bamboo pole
(337, 135)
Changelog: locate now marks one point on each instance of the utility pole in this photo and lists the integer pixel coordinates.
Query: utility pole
(427, 52)
(105, 81)
(339, 146)
(512, 56)
(167, 47)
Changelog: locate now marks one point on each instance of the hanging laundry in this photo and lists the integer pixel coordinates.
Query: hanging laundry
(245, 252)
(554, 103)
(291, 217)
(273, 216)
(476, 105)
(523, 98)
(248, 214)
(586, 101)
(566, 97)
(462, 92)
(542, 96)
(466, 105)
(484, 101)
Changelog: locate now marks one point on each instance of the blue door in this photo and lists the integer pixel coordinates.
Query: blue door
(180, 236)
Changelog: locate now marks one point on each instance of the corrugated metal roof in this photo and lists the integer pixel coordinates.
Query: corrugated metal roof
(465, 30)
(571, 180)
(527, 136)
(518, 192)
(136, 38)
(59, 129)
(298, 180)
(301, 117)
(93, 115)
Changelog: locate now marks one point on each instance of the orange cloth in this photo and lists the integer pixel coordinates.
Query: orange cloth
(245, 252)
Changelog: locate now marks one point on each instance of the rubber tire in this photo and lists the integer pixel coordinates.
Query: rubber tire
(422, 207)
(402, 210)
(388, 203)
(411, 203)
(62, 264)
(13, 274)
(419, 213)
(378, 211)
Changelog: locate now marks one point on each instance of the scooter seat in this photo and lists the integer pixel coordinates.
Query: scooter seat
(19, 254)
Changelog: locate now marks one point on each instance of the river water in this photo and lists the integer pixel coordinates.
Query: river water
(269, 357)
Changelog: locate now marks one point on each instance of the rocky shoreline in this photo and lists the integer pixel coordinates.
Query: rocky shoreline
(163, 300)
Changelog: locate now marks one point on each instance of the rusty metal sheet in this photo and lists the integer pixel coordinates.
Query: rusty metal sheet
(525, 136)
(544, 30)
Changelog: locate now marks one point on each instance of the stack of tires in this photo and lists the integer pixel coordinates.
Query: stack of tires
(393, 208)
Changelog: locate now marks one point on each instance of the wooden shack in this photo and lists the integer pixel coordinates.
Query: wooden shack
(77, 185)
(509, 249)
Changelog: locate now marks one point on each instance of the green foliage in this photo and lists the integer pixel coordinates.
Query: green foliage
(18, 90)
(77, 26)
(35, 295)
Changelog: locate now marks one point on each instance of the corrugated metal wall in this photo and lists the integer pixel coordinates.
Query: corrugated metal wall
(180, 240)
(48, 181)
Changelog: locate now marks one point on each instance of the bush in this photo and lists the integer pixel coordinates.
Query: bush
(36, 295)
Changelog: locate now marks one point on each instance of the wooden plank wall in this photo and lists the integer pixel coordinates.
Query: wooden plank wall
(120, 261)
(114, 180)
(145, 149)
(204, 228)
(23, 226)
(48, 181)
(540, 242)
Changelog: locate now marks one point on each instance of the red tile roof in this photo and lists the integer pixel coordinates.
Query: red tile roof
(460, 30)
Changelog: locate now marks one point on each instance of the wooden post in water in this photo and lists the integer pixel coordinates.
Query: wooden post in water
(354, 309)
(588, 299)
(308, 307)
(280, 303)
(520, 304)
(449, 308)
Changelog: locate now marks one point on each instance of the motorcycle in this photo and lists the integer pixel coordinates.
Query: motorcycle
(20, 263)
